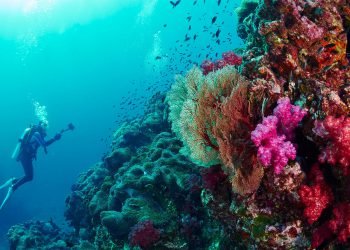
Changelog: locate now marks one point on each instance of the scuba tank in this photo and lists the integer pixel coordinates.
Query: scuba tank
(19, 144)
(24, 140)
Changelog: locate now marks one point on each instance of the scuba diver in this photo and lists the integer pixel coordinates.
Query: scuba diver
(25, 152)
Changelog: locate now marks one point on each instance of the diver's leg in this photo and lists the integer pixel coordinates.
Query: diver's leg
(27, 164)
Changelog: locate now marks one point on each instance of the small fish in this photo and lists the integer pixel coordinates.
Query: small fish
(217, 34)
(165, 25)
(219, 2)
(329, 46)
(189, 18)
(189, 27)
(174, 4)
(158, 57)
(194, 37)
(214, 19)
(195, 2)
(325, 69)
(218, 41)
(187, 38)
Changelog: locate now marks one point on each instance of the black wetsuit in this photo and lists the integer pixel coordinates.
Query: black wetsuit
(28, 154)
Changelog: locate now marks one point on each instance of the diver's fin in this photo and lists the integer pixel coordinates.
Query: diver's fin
(8, 195)
(7, 183)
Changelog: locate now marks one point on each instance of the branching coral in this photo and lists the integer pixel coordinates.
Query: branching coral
(273, 136)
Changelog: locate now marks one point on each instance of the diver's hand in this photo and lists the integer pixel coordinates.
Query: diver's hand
(57, 137)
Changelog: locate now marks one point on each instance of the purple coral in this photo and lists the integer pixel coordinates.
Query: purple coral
(273, 136)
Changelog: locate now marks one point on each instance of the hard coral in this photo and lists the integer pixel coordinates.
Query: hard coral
(144, 235)
(273, 135)
(316, 197)
(337, 132)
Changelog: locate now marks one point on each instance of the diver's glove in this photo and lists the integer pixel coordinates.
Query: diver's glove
(57, 137)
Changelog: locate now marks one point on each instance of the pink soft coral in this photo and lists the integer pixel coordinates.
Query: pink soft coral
(337, 132)
(271, 135)
(316, 197)
(289, 116)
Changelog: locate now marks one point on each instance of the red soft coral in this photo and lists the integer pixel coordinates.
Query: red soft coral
(144, 235)
(341, 221)
(339, 225)
(316, 197)
(207, 67)
(337, 132)
(228, 58)
(231, 58)
(213, 177)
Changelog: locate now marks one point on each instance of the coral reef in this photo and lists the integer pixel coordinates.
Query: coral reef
(209, 185)
(144, 195)
(38, 235)
(295, 77)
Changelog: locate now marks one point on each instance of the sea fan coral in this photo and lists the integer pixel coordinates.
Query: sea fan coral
(214, 119)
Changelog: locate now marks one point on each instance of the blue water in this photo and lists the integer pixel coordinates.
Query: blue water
(83, 72)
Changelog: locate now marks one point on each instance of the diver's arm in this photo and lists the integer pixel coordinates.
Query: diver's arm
(52, 140)
(39, 139)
